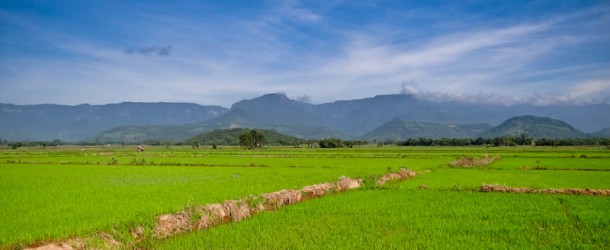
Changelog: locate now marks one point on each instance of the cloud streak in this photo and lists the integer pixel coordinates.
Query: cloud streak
(324, 51)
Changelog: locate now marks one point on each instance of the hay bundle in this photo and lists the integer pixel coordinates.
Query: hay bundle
(317, 190)
(171, 224)
(236, 210)
(402, 174)
(469, 162)
(346, 183)
(283, 197)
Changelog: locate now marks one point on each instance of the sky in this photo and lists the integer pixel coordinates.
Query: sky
(220, 52)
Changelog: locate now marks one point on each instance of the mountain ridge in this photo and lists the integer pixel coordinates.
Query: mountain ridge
(346, 119)
(400, 129)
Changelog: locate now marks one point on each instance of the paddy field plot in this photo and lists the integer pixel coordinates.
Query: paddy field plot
(58, 193)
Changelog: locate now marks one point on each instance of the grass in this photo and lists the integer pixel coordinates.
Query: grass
(408, 218)
(56, 193)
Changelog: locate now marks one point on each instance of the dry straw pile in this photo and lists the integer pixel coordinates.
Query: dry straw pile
(236, 210)
(471, 162)
(402, 174)
(505, 189)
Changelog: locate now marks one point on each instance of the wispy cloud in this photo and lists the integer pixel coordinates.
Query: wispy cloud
(321, 51)
(591, 88)
(294, 10)
(153, 50)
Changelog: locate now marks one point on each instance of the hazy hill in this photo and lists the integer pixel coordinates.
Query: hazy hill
(148, 133)
(73, 123)
(357, 117)
(270, 112)
(400, 129)
(275, 112)
(536, 127)
(603, 133)
(231, 137)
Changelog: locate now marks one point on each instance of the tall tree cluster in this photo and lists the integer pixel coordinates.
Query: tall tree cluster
(252, 139)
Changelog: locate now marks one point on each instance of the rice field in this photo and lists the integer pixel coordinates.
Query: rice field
(51, 194)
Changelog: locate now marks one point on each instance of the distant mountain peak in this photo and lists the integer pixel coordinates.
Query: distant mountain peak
(267, 99)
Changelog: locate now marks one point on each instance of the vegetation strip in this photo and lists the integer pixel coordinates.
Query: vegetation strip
(505, 189)
(206, 216)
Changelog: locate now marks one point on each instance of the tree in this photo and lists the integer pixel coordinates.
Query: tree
(331, 143)
(252, 139)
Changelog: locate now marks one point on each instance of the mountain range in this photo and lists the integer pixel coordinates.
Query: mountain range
(380, 117)
(74, 123)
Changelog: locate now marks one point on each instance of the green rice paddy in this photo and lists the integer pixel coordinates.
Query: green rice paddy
(58, 193)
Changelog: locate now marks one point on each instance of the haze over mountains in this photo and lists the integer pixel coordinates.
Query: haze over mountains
(74, 123)
(381, 117)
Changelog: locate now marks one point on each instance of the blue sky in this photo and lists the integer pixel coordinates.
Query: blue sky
(220, 52)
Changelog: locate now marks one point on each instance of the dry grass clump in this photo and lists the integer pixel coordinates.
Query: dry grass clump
(170, 224)
(505, 189)
(346, 183)
(210, 215)
(402, 174)
(283, 197)
(137, 232)
(101, 240)
(52, 246)
(236, 210)
(316, 190)
(470, 161)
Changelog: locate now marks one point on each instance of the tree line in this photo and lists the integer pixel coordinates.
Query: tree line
(504, 141)
(255, 139)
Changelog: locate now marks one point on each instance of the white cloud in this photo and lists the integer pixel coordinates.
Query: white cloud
(591, 88)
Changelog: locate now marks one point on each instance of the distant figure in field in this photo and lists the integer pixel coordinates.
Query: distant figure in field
(140, 149)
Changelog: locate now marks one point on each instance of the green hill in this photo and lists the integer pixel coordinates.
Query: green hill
(399, 129)
(231, 137)
(536, 127)
(143, 134)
